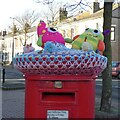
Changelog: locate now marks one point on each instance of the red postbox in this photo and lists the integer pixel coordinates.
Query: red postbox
(61, 96)
(60, 85)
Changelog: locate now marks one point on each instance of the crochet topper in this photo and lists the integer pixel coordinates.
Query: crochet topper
(91, 39)
(48, 34)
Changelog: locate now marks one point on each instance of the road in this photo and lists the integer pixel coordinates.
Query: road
(115, 88)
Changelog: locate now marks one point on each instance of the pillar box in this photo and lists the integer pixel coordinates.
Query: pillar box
(60, 85)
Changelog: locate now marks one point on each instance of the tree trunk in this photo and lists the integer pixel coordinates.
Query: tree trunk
(107, 77)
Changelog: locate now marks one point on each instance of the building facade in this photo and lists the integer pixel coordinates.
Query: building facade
(13, 45)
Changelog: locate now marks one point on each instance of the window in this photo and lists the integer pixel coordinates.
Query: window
(97, 26)
(112, 33)
(16, 42)
(72, 33)
(5, 56)
(86, 26)
(64, 33)
(11, 43)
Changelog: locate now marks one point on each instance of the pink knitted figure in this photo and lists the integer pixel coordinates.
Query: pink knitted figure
(48, 34)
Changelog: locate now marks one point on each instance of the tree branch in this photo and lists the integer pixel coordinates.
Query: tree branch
(44, 1)
(80, 3)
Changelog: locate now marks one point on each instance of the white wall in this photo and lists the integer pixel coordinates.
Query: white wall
(81, 25)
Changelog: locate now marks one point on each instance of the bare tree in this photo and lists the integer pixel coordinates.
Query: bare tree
(25, 23)
(62, 9)
(53, 6)
(53, 13)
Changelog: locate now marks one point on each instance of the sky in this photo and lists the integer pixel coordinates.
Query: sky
(12, 8)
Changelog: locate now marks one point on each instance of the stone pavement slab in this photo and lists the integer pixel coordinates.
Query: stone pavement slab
(13, 103)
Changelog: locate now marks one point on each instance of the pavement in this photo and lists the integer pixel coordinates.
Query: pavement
(13, 97)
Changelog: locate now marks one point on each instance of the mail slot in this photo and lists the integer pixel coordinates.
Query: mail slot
(58, 96)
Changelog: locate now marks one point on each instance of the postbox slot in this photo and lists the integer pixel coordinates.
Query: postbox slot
(58, 97)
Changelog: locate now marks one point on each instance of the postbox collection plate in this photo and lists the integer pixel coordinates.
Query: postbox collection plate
(57, 114)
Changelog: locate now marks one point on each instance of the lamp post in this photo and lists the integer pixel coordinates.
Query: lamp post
(3, 69)
(13, 33)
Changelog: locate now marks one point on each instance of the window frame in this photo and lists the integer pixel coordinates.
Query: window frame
(113, 32)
